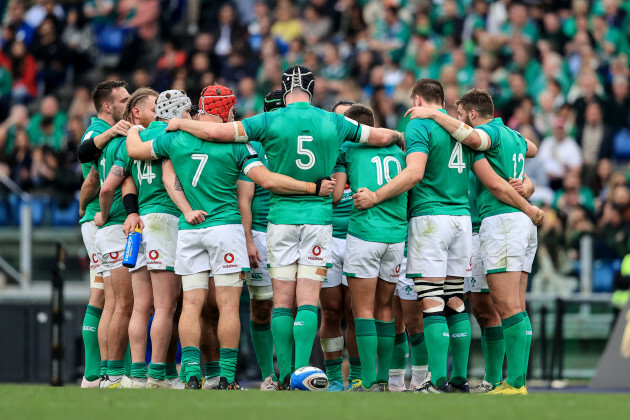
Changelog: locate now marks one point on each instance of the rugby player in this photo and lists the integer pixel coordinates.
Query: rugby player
(374, 251)
(508, 237)
(253, 201)
(300, 141)
(218, 244)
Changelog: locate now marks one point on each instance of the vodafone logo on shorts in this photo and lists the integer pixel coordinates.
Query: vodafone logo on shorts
(114, 255)
(94, 259)
(397, 271)
(153, 255)
(229, 259)
(316, 251)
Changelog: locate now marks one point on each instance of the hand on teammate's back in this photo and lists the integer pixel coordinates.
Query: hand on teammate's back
(173, 125)
(364, 199)
(327, 187)
(121, 128)
(419, 112)
(131, 222)
(195, 217)
(98, 219)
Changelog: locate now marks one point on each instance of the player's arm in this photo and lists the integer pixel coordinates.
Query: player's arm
(136, 148)
(114, 179)
(176, 192)
(404, 181)
(245, 193)
(532, 150)
(282, 184)
(91, 148)
(380, 137)
(505, 192)
(525, 187)
(210, 131)
(474, 138)
(342, 179)
(89, 190)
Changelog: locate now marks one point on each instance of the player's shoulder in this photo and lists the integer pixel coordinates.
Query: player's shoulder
(420, 124)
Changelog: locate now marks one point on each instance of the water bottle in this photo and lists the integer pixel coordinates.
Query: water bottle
(132, 248)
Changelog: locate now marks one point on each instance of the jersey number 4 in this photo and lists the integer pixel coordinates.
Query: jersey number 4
(382, 168)
(457, 159)
(145, 171)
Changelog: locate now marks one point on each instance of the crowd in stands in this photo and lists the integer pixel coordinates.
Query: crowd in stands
(558, 71)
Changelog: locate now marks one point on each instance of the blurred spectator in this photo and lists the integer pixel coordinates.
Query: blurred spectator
(287, 27)
(43, 9)
(559, 155)
(618, 105)
(249, 102)
(23, 68)
(52, 55)
(595, 139)
(18, 120)
(47, 126)
(20, 160)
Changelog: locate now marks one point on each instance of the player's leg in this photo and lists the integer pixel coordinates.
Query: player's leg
(528, 323)
(400, 355)
(412, 316)
(330, 333)
(228, 292)
(118, 333)
(385, 330)
(363, 292)
(138, 325)
(493, 343)
(172, 376)
(210, 347)
(103, 325)
(354, 376)
(284, 284)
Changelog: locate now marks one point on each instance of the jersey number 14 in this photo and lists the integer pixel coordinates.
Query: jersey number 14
(145, 171)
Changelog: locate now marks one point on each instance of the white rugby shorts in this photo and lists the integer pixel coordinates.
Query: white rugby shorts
(159, 242)
(301, 244)
(88, 232)
(477, 282)
(365, 259)
(335, 276)
(404, 287)
(110, 247)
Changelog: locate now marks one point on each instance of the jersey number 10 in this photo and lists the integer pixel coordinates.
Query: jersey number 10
(382, 168)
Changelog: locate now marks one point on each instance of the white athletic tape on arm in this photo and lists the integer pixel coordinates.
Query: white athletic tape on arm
(195, 281)
(286, 273)
(312, 272)
(228, 280)
(331, 344)
(260, 292)
(153, 155)
(138, 127)
(365, 133)
(485, 140)
(251, 166)
(238, 138)
(462, 132)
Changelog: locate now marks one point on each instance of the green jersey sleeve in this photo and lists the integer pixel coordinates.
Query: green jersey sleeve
(418, 136)
(348, 130)
(244, 155)
(122, 157)
(261, 155)
(256, 126)
(340, 165)
(162, 145)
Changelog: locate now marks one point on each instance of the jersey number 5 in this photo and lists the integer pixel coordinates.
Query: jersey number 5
(203, 159)
(302, 151)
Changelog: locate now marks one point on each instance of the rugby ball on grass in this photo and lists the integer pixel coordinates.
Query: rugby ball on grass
(309, 378)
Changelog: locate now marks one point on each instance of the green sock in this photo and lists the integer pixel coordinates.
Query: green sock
(304, 330)
(228, 364)
(103, 367)
(367, 342)
(282, 329)
(90, 343)
(157, 371)
(182, 372)
(400, 353)
(386, 335)
(437, 339)
(263, 347)
(355, 369)
(419, 354)
(459, 331)
(515, 343)
(139, 370)
(333, 369)
(190, 362)
(529, 335)
(171, 370)
(127, 360)
(483, 342)
(212, 369)
(493, 344)
(115, 367)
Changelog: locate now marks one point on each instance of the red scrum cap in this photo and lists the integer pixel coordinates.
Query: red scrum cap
(217, 100)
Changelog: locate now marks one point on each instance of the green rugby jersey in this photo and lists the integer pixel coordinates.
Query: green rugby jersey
(507, 157)
(117, 213)
(302, 142)
(97, 127)
(208, 173)
(373, 167)
(341, 215)
(147, 175)
(444, 187)
(474, 189)
(260, 202)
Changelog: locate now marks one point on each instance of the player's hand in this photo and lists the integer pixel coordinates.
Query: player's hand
(173, 124)
(131, 222)
(517, 184)
(419, 112)
(195, 217)
(253, 254)
(365, 199)
(98, 219)
(536, 215)
(121, 128)
(326, 186)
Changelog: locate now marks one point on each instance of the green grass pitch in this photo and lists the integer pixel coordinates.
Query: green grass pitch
(42, 402)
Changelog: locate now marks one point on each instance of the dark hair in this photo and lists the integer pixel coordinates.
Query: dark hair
(361, 114)
(430, 90)
(479, 100)
(348, 102)
(103, 92)
(136, 97)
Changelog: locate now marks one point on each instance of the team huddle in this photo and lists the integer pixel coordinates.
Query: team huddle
(309, 208)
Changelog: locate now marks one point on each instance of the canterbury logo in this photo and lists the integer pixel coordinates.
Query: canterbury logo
(460, 335)
(528, 333)
(445, 334)
(88, 328)
(298, 324)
